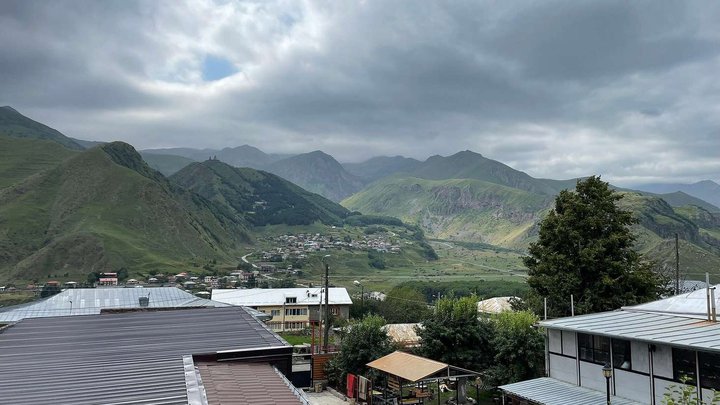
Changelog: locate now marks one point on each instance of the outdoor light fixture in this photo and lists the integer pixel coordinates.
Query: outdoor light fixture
(607, 373)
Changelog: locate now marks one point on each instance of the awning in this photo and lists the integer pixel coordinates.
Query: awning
(549, 391)
(407, 366)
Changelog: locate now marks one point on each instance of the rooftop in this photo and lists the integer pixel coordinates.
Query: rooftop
(121, 358)
(89, 301)
(649, 327)
(690, 304)
(277, 296)
(495, 305)
(549, 391)
(407, 366)
(231, 383)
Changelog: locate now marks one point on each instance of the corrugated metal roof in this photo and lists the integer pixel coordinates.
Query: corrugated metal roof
(118, 358)
(403, 333)
(277, 296)
(88, 301)
(692, 304)
(549, 391)
(645, 326)
(495, 305)
(407, 366)
(231, 383)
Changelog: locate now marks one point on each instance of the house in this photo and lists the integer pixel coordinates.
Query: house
(648, 348)
(191, 356)
(404, 335)
(108, 279)
(291, 308)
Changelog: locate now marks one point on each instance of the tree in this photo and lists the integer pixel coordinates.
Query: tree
(519, 348)
(585, 248)
(364, 342)
(453, 334)
(404, 305)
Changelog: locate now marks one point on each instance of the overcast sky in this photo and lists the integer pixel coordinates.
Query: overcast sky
(626, 89)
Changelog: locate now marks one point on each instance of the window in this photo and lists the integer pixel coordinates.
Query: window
(709, 370)
(296, 311)
(683, 364)
(275, 312)
(621, 354)
(290, 300)
(595, 349)
(294, 325)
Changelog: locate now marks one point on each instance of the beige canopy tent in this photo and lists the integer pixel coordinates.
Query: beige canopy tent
(405, 370)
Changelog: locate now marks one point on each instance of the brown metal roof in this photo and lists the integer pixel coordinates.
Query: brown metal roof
(233, 383)
(407, 366)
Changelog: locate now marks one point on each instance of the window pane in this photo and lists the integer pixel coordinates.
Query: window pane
(585, 346)
(602, 349)
(709, 370)
(621, 354)
(684, 364)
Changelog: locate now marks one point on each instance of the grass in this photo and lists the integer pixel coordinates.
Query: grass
(14, 298)
(295, 338)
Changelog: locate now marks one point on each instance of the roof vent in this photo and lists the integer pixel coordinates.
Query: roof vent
(144, 301)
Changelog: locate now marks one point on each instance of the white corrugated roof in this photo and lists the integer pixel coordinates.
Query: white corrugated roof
(692, 304)
(650, 327)
(549, 391)
(277, 296)
(88, 301)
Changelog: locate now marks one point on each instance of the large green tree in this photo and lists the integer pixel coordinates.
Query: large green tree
(519, 348)
(453, 334)
(585, 248)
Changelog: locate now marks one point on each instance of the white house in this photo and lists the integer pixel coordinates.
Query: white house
(291, 308)
(648, 347)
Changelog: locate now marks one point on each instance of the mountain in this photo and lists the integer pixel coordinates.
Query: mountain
(21, 158)
(457, 209)
(318, 172)
(706, 190)
(381, 166)
(471, 165)
(16, 125)
(105, 209)
(165, 164)
(681, 199)
(241, 156)
(87, 144)
(261, 197)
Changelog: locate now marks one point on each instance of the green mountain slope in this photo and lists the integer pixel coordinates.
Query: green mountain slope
(21, 158)
(471, 165)
(104, 209)
(381, 166)
(16, 125)
(318, 172)
(263, 198)
(456, 209)
(166, 164)
(706, 190)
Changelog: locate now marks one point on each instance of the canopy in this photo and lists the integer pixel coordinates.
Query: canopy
(407, 366)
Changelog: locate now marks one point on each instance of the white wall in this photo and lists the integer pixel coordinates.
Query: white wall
(591, 376)
(569, 341)
(661, 387)
(563, 369)
(632, 386)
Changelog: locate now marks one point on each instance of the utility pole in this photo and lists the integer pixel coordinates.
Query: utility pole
(327, 304)
(677, 265)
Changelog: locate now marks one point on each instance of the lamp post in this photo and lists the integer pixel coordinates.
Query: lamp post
(362, 295)
(607, 373)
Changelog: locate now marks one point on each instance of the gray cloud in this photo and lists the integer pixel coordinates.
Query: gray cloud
(557, 89)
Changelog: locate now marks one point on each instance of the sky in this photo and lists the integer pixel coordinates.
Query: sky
(558, 89)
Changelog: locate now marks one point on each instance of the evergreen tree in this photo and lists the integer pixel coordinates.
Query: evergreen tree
(585, 248)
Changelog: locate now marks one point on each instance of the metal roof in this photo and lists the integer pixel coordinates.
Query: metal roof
(495, 305)
(277, 296)
(88, 301)
(232, 383)
(403, 333)
(679, 331)
(407, 366)
(691, 304)
(119, 358)
(549, 391)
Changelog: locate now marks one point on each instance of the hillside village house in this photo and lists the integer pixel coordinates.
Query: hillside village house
(291, 308)
(648, 348)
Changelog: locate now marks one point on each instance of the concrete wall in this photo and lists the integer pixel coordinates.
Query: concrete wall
(662, 361)
(555, 341)
(591, 376)
(640, 357)
(569, 343)
(632, 386)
